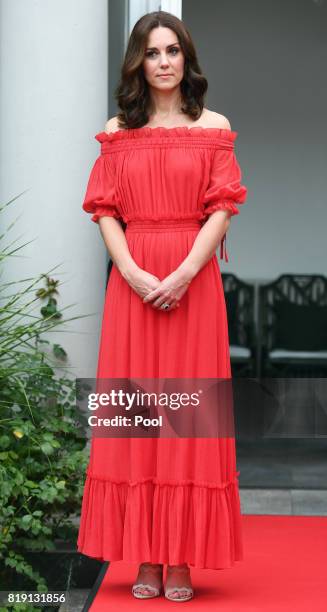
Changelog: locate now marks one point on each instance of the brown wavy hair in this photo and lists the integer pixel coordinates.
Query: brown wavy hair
(132, 92)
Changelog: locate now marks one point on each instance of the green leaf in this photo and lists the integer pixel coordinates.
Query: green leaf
(61, 484)
(59, 352)
(47, 448)
(4, 441)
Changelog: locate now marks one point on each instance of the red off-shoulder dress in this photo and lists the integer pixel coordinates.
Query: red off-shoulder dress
(164, 500)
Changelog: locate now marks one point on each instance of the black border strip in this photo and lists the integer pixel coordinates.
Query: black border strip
(94, 591)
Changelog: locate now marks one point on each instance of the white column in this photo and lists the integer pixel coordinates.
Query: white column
(54, 84)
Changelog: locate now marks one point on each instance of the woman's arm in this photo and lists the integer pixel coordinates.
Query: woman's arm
(141, 281)
(206, 243)
(115, 240)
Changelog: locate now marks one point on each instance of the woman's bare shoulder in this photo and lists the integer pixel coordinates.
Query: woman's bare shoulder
(111, 125)
(215, 120)
(209, 119)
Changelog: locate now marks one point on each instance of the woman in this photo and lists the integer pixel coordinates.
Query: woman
(168, 170)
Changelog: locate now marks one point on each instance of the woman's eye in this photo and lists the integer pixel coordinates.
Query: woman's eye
(173, 50)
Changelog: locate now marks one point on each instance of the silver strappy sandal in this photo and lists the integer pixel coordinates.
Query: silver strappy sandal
(155, 591)
(188, 590)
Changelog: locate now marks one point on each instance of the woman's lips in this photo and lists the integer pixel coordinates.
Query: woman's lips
(164, 76)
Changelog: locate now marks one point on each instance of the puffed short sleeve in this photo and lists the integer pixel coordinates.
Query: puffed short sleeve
(224, 190)
(100, 197)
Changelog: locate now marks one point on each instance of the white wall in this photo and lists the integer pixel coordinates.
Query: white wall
(54, 99)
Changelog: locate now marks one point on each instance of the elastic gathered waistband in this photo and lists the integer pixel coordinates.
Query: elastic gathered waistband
(160, 225)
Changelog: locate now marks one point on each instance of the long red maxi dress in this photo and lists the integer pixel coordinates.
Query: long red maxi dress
(164, 500)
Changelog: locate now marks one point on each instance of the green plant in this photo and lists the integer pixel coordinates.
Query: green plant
(42, 443)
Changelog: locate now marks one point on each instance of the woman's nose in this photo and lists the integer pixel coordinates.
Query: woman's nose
(164, 61)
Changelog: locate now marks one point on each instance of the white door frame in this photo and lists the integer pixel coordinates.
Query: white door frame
(137, 8)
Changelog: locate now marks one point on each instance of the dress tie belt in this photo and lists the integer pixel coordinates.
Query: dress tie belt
(223, 248)
(160, 225)
(175, 225)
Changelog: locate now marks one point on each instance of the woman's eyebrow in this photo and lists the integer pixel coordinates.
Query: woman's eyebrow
(155, 48)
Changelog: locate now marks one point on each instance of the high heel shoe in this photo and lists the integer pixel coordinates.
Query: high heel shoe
(170, 590)
(154, 591)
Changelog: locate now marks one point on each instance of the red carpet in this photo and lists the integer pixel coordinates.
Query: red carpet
(284, 568)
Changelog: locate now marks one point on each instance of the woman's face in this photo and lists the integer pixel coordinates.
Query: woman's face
(163, 56)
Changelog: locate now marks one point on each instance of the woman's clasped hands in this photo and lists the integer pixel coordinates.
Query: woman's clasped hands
(155, 292)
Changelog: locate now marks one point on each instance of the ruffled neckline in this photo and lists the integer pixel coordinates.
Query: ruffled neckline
(166, 132)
